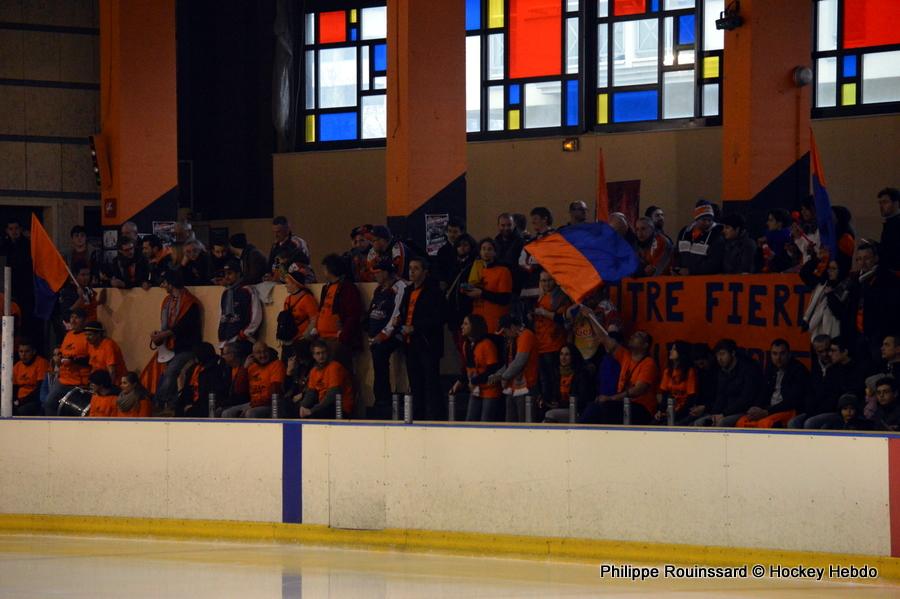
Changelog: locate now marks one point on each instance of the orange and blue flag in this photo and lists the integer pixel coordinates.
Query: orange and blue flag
(824, 218)
(583, 257)
(50, 270)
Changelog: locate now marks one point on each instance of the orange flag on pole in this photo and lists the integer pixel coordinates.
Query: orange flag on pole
(50, 270)
(602, 194)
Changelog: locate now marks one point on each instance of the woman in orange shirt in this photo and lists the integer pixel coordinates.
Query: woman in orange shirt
(679, 381)
(491, 294)
(133, 401)
(482, 360)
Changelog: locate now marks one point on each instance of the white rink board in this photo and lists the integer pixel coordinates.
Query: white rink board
(142, 469)
(773, 491)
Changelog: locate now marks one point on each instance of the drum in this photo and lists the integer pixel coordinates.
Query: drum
(76, 402)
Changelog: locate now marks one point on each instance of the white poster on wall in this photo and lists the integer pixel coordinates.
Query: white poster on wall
(435, 232)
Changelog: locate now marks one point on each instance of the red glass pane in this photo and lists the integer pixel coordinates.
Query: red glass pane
(630, 7)
(535, 38)
(871, 23)
(332, 27)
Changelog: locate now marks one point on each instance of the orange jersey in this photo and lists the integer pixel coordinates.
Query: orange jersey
(322, 380)
(29, 377)
(104, 406)
(679, 386)
(262, 381)
(496, 279)
(644, 371)
(74, 346)
(484, 354)
(565, 386)
(329, 324)
(551, 335)
(303, 307)
(106, 354)
(528, 378)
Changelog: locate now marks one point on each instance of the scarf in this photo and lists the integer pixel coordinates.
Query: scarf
(173, 310)
(566, 370)
(129, 401)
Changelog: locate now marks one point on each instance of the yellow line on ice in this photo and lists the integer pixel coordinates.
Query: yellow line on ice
(465, 543)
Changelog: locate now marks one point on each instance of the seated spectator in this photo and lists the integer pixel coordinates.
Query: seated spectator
(127, 270)
(887, 410)
(482, 361)
(850, 414)
(28, 375)
(129, 230)
(253, 263)
(287, 262)
(340, 312)
(159, 259)
(83, 254)
(889, 205)
(774, 246)
(195, 264)
(654, 249)
(574, 381)
(577, 213)
(133, 401)
(383, 329)
(241, 308)
(421, 321)
(490, 289)
(707, 380)
(74, 366)
(786, 387)
(387, 247)
(286, 240)
(180, 329)
(203, 377)
(739, 256)
(445, 261)
(357, 257)
(736, 386)
(549, 319)
(890, 354)
(700, 247)
(519, 374)
(327, 380)
(679, 382)
(820, 410)
(638, 380)
(267, 374)
(606, 381)
(103, 352)
(238, 392)
(104, 398)
(219, 255)
(298, 317)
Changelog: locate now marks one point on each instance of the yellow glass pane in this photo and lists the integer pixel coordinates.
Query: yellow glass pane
(602, 109)
(513, 119)
(495, 13)
(710, 67)
(848, 94)
(310, 127)
(353, 16)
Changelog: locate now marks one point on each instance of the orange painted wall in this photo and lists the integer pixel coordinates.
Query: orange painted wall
(138, 113)
(426, 139)
(766, 117)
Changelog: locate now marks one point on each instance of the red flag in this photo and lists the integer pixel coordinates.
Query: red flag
(602, 210)
(50, 270)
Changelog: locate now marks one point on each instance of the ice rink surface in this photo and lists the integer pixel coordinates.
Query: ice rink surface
(57, 566)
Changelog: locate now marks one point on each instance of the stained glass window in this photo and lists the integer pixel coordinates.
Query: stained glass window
(856, 56)
(657, 60)
(523, 60)
(345, 75)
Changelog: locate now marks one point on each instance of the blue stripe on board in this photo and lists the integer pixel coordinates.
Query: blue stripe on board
(291, 473)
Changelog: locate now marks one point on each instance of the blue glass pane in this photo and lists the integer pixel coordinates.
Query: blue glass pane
(337, 126)
(686, 29)
(380, 58)
(572, 102)
(654, 6)
(354, 34)
(515, 94)
(849, 66)
(473, 14)
(635, 106)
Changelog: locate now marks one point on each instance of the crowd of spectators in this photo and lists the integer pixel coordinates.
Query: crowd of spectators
(511, 327)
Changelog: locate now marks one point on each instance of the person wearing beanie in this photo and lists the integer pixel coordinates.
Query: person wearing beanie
(740, 251)
(849, 405)
(382, 330)
(700, 247)
(385, 245)
(73, 368)
(103, 352)
(254, 265)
